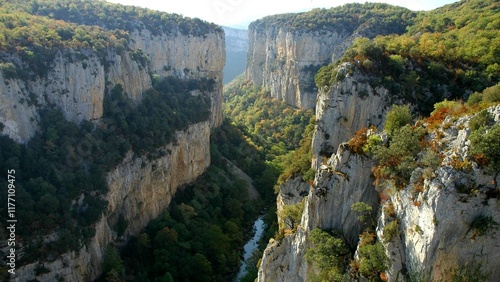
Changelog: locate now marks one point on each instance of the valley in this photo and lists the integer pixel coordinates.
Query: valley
(356, 143)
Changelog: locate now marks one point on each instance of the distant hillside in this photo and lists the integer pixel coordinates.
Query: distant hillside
(236, 52)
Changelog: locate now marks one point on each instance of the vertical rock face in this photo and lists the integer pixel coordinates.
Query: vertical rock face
(344, 108)
(187, 56)
(342, 181)
(139, 189)
(236, 53)
(76, 86)
(77, 81)
(443, 231)
(285, 61)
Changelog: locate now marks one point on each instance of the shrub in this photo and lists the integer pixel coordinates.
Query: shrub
(371, 144)
(485, 144)
(329, 254)
(291, 214)
(391, 230)
(364, 209)
(397, 161)
(483, 118)
(397, 117)
(358, 141)
(372, 260)
(492, 94)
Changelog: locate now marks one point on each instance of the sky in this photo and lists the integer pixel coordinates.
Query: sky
(238, 13)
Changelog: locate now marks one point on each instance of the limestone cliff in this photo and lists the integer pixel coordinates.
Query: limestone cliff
(285, 51)
(139, 190)
(77, 80)
(446, 229)
(344, 108)
(442, 231)
(285, 61)
(342, 181)
(77, 87)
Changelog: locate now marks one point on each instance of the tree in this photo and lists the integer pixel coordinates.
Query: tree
(112, 261)
(329, 254)
(484, 144)
(397, 117)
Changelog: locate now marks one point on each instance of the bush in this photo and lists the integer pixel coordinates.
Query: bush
(397, 117)
(492, 94)
(372, 143)
(358, 141)
(372, 260)
(483, 118)
(391, 230)
(485, 143)
(291, 214)
(329, 253)
(397, 161)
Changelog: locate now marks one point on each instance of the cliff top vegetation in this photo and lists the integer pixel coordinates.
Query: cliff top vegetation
(369, 17)
(448, 53)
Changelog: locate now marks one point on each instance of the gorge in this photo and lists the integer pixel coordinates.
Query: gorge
(376, 126)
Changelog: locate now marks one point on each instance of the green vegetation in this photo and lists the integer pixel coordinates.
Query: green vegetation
(368, 19)
(443, 54)
(281, 133)
(485, 148)
(397, 161)
(291, 215)
(391, 230)
(36, 30)
(330, 254)
(372, 260)
(267, 139)
(112, 265)
(63, 162)
(396, 118)
(200, 236)
(366, 214)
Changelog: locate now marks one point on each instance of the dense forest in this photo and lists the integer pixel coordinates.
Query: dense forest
(36, 30)
(368, 19)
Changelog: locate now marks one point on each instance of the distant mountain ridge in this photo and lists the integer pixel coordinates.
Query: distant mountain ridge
(236, 53)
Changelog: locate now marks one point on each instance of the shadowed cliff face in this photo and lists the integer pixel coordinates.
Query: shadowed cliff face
(285, 62)
(139, 191)
(139, 188)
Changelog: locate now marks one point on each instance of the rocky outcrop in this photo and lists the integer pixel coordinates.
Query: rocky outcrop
(342, 181)
(286, 51)
(447, 229)
(76, 86)
(344, 108)
(285, 61)
(139, 190)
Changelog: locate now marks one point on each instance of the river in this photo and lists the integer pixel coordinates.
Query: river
(250, 247)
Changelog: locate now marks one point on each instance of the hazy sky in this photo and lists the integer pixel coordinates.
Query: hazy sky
(236, 12)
